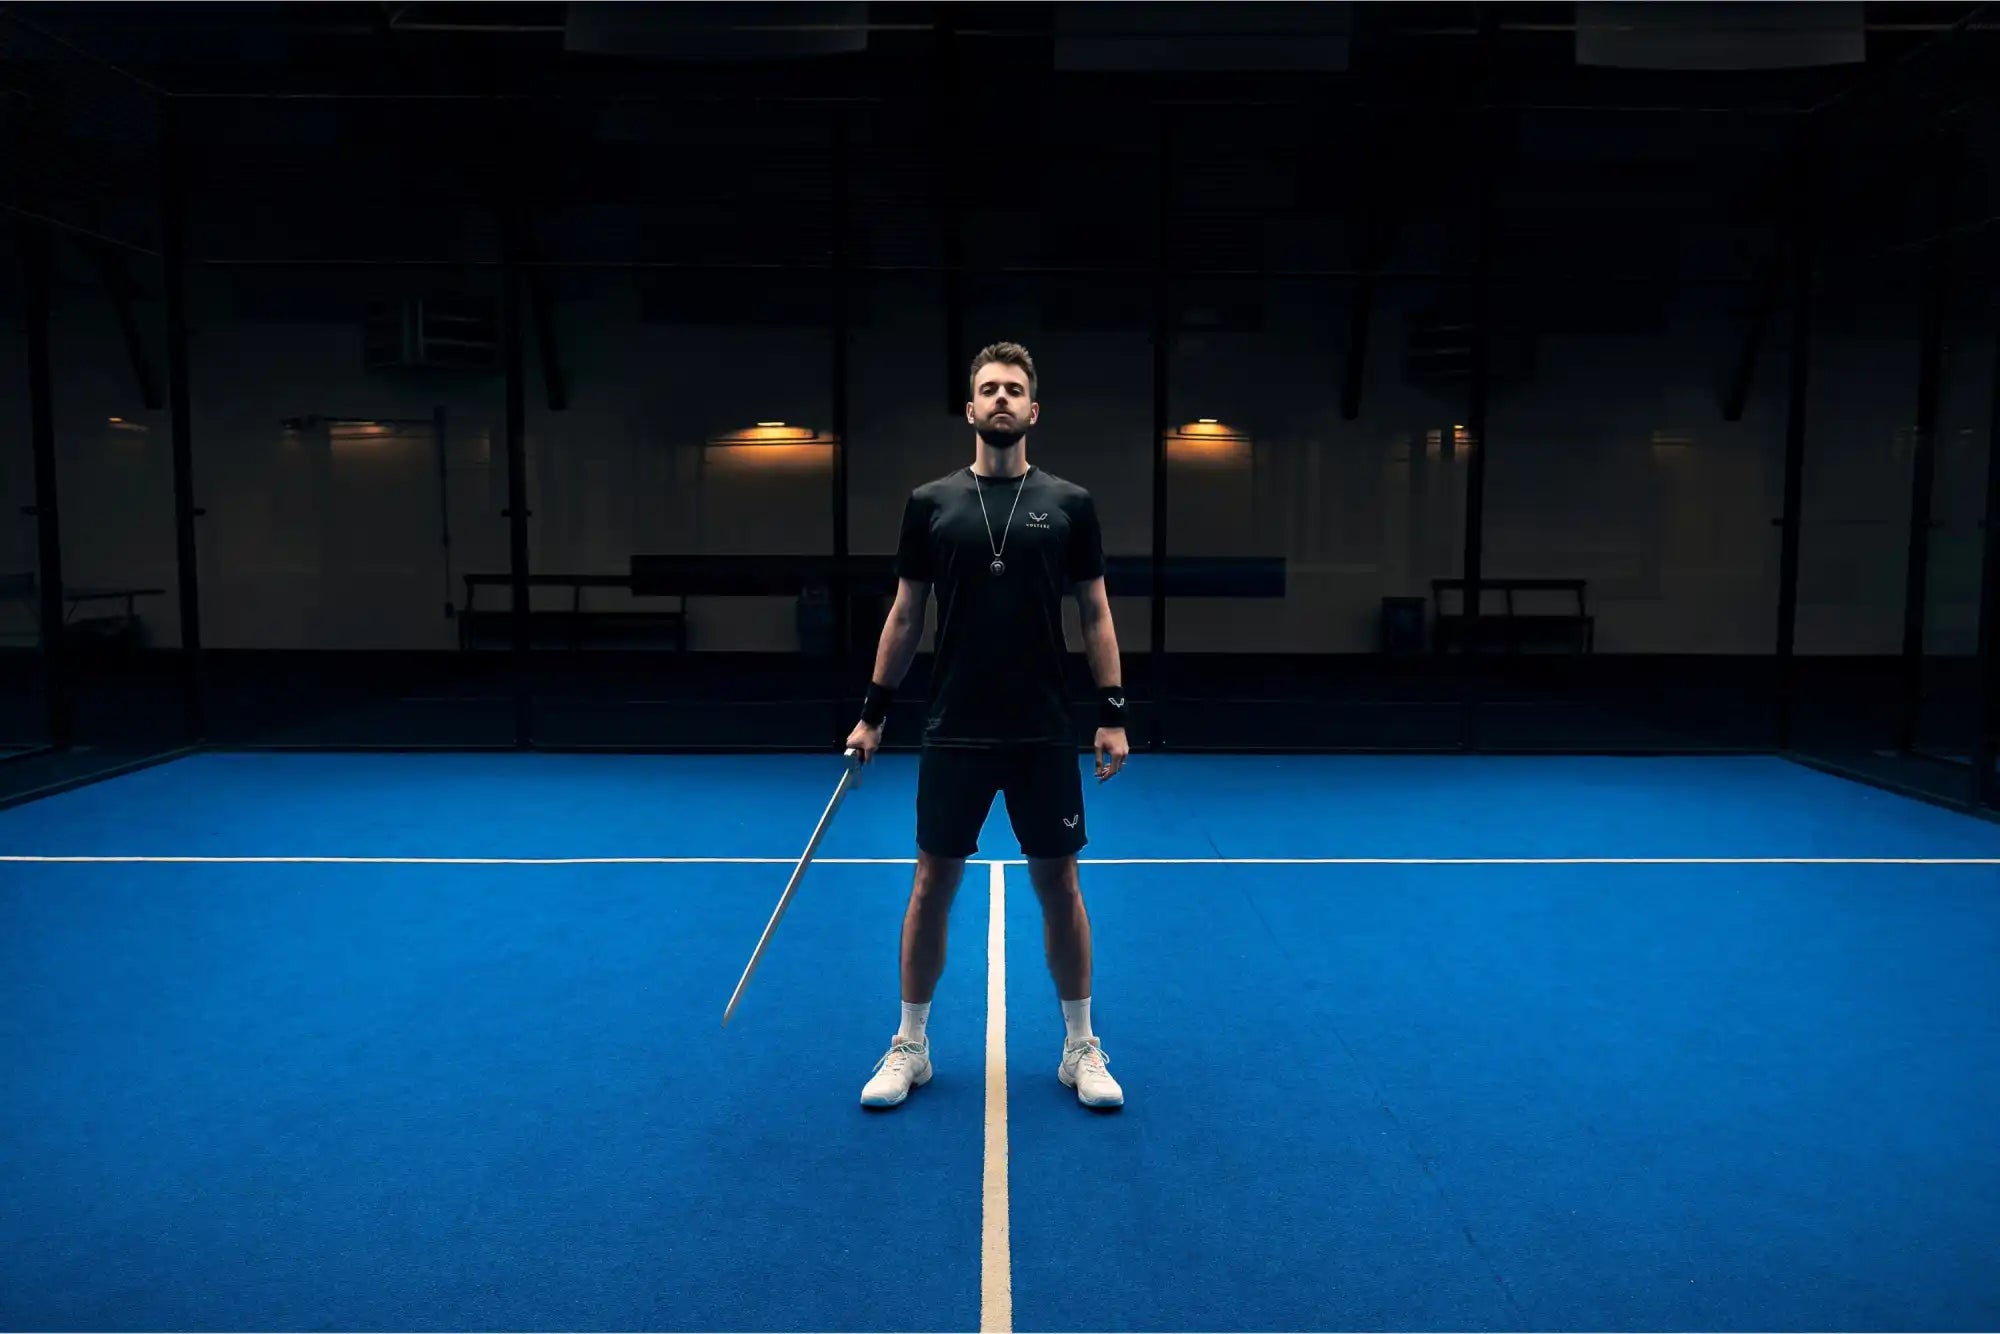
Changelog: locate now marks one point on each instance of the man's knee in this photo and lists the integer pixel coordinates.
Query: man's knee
(937, 879)
(1054, 878)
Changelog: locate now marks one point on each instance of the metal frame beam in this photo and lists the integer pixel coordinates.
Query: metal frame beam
(514, 432)
(1985, 787)
(1788, 523)
(37, 263)
(946, 102)
(1923, 479)
(842, 318)
(173, 269)
(1769, 288)
(1163, 341)
(1478, 389)
(116, 279)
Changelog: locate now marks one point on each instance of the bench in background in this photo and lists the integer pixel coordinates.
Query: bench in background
(870, 581)
(1511, 627)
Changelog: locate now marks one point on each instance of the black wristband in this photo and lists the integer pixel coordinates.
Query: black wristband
(1111, 706)
(875, 707)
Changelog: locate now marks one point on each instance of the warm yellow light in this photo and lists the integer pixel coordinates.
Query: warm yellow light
(353, 432)
(1206, 440)
(767, 433)
(769, 458)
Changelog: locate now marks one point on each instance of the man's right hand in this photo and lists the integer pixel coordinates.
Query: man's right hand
(865, 739)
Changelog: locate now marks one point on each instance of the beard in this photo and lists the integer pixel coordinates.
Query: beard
(1001, 437)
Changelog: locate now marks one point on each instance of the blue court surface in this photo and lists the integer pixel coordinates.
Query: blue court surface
(421, 1042)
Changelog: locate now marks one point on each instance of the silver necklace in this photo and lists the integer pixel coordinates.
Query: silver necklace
(998, 566)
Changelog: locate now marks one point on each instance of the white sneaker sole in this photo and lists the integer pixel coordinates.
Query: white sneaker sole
(1068, 1082)
(897, 1101)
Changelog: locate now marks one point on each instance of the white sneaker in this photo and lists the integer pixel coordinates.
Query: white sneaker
(906, 1065)
(1083, 1069)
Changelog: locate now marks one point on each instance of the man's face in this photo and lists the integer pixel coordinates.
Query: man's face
(1000, 409)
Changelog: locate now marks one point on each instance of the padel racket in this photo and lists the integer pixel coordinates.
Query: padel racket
(849, 778)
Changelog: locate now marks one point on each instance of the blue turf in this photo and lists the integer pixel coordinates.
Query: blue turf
(405, 1097)
(1536, 1097)
(412, 1098)
(534, 805)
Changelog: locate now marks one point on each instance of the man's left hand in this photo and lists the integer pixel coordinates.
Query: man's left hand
(1112, 748)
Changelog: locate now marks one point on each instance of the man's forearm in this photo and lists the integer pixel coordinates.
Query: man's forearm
(900, 637)
(1100, 649)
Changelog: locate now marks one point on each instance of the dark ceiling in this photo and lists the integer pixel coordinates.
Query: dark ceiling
(1509, 53)
(725, 133)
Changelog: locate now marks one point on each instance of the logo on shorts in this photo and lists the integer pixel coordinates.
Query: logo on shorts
(1071, 822)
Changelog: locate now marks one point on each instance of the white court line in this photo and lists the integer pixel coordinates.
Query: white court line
(492, 861)
(996, 1270)
(1535, 861)
(1083, 861)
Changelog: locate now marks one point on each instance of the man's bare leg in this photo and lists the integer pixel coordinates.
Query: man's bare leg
(924, 923)
(908, 1062)
(1065, 925)
(1066, 938)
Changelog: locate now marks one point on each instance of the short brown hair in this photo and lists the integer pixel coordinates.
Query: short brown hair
(1007, 354)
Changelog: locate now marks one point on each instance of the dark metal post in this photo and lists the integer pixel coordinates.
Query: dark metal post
(514, 429)
(173, 273)
(1360, 310)
(843, 588)
(37, 257)
(1985, 789)
(1795, 438)
(1475, 422)
(1163, 335)
(1916, 586)
(438, 442)
(945, 123)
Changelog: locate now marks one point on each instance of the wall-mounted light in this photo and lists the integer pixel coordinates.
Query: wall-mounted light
(1208, 441)
(348, 431)
(770, 433)
(769, 445)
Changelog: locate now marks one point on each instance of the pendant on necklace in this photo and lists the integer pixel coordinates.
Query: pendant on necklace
(999, 566)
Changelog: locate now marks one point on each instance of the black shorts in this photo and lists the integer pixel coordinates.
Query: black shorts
(1043, 785)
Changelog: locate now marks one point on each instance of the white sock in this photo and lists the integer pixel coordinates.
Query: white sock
(1076, 1017)
(914, 1019)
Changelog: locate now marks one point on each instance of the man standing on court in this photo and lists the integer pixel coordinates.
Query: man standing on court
(999, 541)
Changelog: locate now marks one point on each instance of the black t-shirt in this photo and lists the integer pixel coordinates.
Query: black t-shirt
(999, 673)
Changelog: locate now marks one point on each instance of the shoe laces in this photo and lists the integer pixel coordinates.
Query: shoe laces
(1091, 1055)
(901, 1054)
